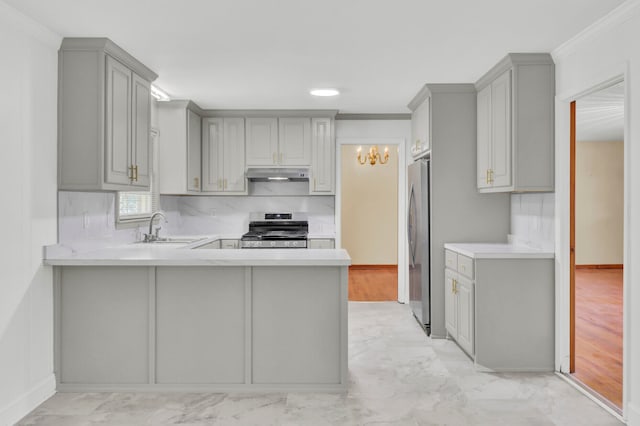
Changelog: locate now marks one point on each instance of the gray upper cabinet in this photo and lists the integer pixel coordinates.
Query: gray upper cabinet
(262, 141)
(223, 159)
(194, 151)
(420, 106)
(104, 117)
(179, 156)
(515, 125)
(278, 141)
(323, 165)
(294, 141)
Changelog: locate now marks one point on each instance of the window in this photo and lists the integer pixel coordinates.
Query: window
(133, 207)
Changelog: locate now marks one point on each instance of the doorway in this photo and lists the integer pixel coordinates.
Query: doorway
(597, 243)
(369, 200)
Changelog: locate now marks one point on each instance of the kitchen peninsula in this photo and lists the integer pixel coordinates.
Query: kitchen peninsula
(142, 317)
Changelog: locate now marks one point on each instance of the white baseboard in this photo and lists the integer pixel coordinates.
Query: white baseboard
(26, 402)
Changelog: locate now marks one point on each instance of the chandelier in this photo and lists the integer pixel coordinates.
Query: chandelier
(373, 156)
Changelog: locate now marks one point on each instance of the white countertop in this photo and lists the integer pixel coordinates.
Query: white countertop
(140, 254)
(499, 251)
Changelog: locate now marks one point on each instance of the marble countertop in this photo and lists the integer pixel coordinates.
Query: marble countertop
(499, 251)
(187, 254)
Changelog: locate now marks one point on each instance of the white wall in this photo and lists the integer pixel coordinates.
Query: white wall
(28, 216)
(599, 203)
(369, 214)
(605, 51)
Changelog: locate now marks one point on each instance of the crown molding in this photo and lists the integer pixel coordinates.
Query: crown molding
(28, 25)
(609, 21)
(365, 116)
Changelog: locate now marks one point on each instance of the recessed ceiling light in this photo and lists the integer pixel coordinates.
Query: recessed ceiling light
(325, 92)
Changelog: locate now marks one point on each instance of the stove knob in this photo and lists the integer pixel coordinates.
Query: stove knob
(272, 244)
(256, 243)
(288, 243)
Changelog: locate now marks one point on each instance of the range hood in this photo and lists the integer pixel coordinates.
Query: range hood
(273, 174)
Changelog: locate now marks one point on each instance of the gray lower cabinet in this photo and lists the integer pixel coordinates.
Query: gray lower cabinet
(500, 311)
(296, 316)
(200, 325)
(103, 316)
(195, 328)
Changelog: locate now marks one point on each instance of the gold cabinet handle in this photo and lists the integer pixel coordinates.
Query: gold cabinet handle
(418, 143)
(196, 182)
(135, 169)
(491, 176)
(130, 174)
(486, 179)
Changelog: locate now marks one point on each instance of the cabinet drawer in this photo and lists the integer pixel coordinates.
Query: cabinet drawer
(229, 244)
(451, 260)
(465, 266)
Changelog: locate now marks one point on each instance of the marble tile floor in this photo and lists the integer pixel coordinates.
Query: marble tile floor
(397, 377)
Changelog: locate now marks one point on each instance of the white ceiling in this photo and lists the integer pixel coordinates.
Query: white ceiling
(600, 115)
(269, 53)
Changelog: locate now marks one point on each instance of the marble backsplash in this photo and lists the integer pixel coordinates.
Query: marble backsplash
(87, 219)
(193, 215)
(533, 219)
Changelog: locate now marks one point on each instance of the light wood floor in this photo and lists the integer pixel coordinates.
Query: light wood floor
(373, 283)
(599, 331)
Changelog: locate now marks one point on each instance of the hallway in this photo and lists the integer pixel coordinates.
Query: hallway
(599, 331)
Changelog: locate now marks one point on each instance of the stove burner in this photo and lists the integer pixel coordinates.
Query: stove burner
(275, 230)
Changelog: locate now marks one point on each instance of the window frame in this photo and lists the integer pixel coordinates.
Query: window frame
(135, 220)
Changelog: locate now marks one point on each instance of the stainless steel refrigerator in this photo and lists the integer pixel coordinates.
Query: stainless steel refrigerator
(419, 246)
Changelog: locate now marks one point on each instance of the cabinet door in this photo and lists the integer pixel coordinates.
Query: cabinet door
(118, 161)
(194, 153)
(323, 154)
(501, 130)
(141, 126)
(450, 304)
(262, 141)
(422, 116)
(212, 147)
(294, 141)
(484, 137)
(233, 155)
(465, 314)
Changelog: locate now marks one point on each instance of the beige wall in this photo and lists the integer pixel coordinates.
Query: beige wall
(370, 208)
(599, 203)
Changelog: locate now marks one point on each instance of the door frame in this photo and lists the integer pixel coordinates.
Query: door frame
(403, 282)
(563, 155)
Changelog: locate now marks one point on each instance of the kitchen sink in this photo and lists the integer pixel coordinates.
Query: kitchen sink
(173, 240)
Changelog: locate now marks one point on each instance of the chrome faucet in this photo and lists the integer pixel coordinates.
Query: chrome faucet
(151, 236)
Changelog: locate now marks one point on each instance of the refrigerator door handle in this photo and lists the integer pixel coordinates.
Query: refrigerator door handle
(411, 227)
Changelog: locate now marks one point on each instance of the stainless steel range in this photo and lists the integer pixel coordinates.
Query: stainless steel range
(276, 230)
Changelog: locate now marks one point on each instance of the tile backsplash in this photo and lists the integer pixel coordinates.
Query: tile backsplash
(190, 215)
(87, 219)
(533, 219)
